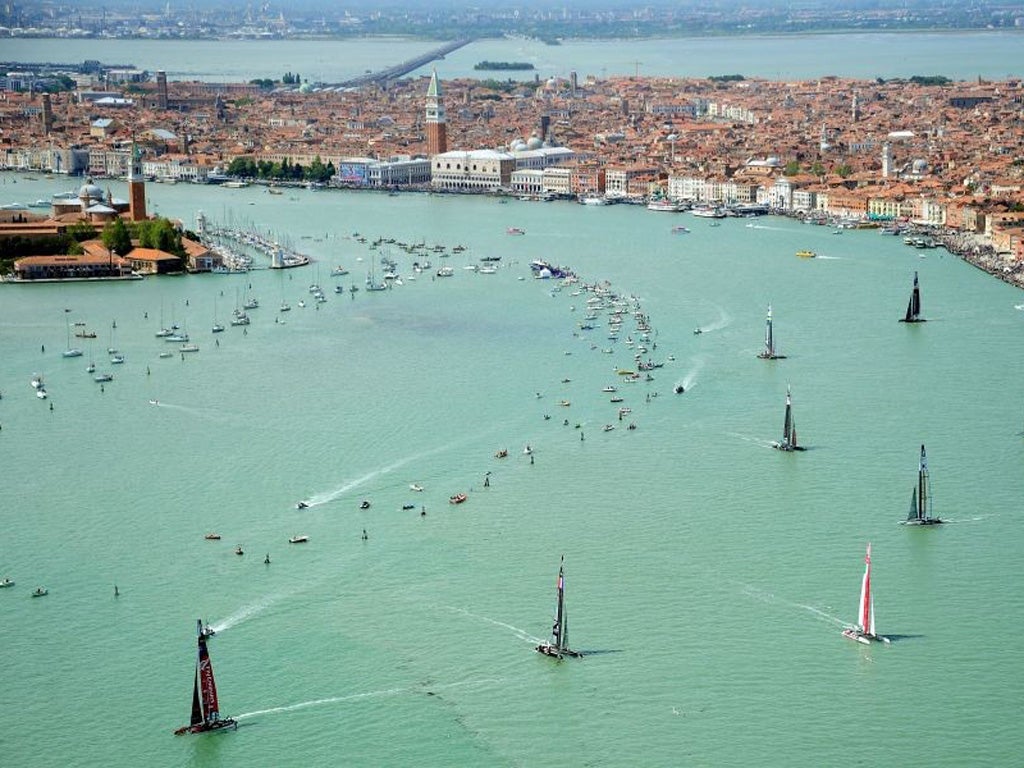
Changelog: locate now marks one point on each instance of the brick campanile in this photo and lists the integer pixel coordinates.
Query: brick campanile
(437, 130)
(136, 188)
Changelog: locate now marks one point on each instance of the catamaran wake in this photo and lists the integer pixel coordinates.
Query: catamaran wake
(722, 321)
(759, 441)
(365, 695)
(768, 597)
(247, 612)
(522, 634)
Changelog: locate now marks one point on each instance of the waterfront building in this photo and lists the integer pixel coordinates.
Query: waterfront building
(478, 170)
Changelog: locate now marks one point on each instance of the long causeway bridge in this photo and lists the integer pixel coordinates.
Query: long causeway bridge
(398, 70)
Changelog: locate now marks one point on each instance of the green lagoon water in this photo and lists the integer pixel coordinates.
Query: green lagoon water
(707, 575)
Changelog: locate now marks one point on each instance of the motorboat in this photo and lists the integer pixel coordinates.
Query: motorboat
(515, 231)
(502, 454)
(41, 393)
(679, 389)
(415, 487)
(458, 498)
(608, 427)
(6, 582)
(302, 505)
(698, 331)
(298, 539)
(364, 504)
(117, 359)
(189, 347)
(207, 631)
(212, 537)
(165, 354)
(100, 378)
(40, 592)
(239, 550)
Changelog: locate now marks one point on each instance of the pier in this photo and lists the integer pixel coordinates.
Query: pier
(398, 70)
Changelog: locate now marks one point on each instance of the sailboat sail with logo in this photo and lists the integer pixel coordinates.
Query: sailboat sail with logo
(558, 646)
(864, 630)
(205, 707)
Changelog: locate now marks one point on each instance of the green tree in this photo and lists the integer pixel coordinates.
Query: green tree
(792, 168)
(116, 237)
(843, 171)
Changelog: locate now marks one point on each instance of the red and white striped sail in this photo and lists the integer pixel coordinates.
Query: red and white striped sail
(866, 611)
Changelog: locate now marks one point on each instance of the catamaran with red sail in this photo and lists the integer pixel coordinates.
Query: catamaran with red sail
(788, 441)
(864, 630)
(205, 709)
(913, 314)
(921, 498)
(558, 646)
(769, 352)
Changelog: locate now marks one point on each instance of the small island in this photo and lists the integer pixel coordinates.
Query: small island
(503, 65)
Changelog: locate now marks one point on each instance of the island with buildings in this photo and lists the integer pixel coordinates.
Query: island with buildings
(944, 157)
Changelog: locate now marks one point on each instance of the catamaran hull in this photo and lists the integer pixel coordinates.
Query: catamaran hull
(787, 448)
(915, 320)
(557, 653)
(219, 725)
(766, 356)
(863, 637)
(926, 521)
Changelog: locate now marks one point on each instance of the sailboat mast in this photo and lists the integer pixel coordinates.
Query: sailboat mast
(787, 424)
(207, 686)
(923, 496)
(867, 606)
(558, 631)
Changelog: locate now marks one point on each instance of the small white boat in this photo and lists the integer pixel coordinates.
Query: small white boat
(37, 381)
(40, 592)
(298, 539)
(189, 347)
(6, 582)
(99, 378)
(415, 487)
(166, 354)
(41, 393)
(117, 359)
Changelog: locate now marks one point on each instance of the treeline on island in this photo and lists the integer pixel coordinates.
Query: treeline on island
(503, 65)
(118, 237)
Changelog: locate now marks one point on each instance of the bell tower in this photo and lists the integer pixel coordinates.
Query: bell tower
(437, 136)
(136, 188)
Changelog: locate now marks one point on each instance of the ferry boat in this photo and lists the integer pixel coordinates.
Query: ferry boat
(709, 212)
(666, 206)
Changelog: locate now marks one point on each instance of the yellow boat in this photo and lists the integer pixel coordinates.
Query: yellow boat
(806, 254)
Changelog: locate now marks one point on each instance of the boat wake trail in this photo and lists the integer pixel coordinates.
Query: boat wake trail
(760, 441)
(199, 412)
(366, 695)
(830, 258)
(722, 321)
(246, 612)
(770, 598)
(324, 498)
(689, 379)
(522, 634)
